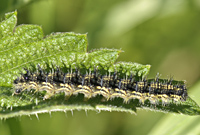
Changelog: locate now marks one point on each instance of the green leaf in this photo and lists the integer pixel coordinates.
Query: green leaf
(7, 26)
(102, 57)
(129, 68)
(25, 46)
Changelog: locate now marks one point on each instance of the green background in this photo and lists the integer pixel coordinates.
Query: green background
(164, 34)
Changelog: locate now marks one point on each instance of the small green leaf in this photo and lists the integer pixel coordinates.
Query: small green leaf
(7, 26)
(129, 68)
(102, 57)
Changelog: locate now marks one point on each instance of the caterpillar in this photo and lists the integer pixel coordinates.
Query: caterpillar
(109, 86)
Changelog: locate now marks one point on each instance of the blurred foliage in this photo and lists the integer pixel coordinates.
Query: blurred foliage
(164, 34)
(10, 5)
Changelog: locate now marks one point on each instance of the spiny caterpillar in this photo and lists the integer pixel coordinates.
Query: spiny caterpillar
(109, 86)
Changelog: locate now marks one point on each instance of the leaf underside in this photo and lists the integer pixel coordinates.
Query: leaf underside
(25, 46)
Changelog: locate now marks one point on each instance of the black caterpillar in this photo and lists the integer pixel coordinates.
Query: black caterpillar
(109, 86)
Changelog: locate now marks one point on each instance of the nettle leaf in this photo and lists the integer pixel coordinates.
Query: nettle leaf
(25, 46)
